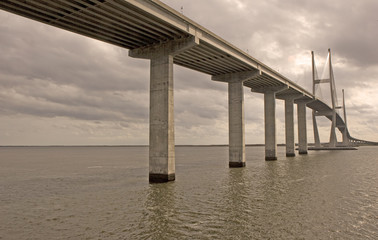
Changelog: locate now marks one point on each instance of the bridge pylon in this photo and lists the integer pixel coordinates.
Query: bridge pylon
(332, 115)
(346, 141)
(314, 82)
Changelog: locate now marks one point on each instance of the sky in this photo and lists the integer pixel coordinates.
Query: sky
(60, 88)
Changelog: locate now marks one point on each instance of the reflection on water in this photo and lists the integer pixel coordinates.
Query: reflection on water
(103, 193)
(237, 208)
(161, 211)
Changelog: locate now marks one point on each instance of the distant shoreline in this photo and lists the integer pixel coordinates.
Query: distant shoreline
(179, 145)
(184, 145)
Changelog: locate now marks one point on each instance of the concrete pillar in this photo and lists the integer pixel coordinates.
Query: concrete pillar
(345, 130)
(315, 129)
(236, 124)
(333, 138)
(236, 114)
(162, 143)
(162, 140)
(289, 127)
(302, 129)
(345, 137)
(270, 118)
(270, 125)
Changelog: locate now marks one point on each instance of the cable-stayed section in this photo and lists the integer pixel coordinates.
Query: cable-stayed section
(331, 111)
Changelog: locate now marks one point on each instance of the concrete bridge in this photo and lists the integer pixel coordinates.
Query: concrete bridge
(154, 31)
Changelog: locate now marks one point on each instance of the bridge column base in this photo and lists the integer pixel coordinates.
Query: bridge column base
(236, 164)
(290, 154)
(161, 178)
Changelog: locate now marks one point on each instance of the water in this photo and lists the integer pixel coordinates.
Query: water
(103, 193)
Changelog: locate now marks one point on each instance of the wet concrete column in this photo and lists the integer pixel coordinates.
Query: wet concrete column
(236, 124)
(333, 138)
(236, 114)
(162, 140)
(289, 122)
(302, 128)
(315, 129)
(345, 137)
(162, 143)
(270, 125)
(289, 127)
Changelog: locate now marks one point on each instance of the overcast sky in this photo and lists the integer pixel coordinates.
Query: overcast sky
(58, 87)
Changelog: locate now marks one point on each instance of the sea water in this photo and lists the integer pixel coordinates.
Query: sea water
(104, 193)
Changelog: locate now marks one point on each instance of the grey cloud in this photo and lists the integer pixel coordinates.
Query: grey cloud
(43, 98)
(93, 68)
(195, 107)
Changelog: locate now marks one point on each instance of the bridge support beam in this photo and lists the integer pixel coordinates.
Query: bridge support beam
(270, 125)
(236, 115)
(315, 129)
(162, 143)
(345, 137)
(302, 127)
(236, 124)
(332, 137)
(289, 127)
(289, 123)
(270, 120)
(345, 130)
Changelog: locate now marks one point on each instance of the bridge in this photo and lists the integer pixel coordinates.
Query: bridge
(154, 31)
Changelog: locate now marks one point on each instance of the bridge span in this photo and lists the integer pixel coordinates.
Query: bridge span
(154, 31)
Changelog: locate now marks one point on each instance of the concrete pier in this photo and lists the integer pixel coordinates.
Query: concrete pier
(315, 129)
(162, 140)
(332, 137)
(236, 126)
(162, 143)
(345, 137)
(270, 125)
(270, 118)
(302, 128)
(289, 126)
(345, 130)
